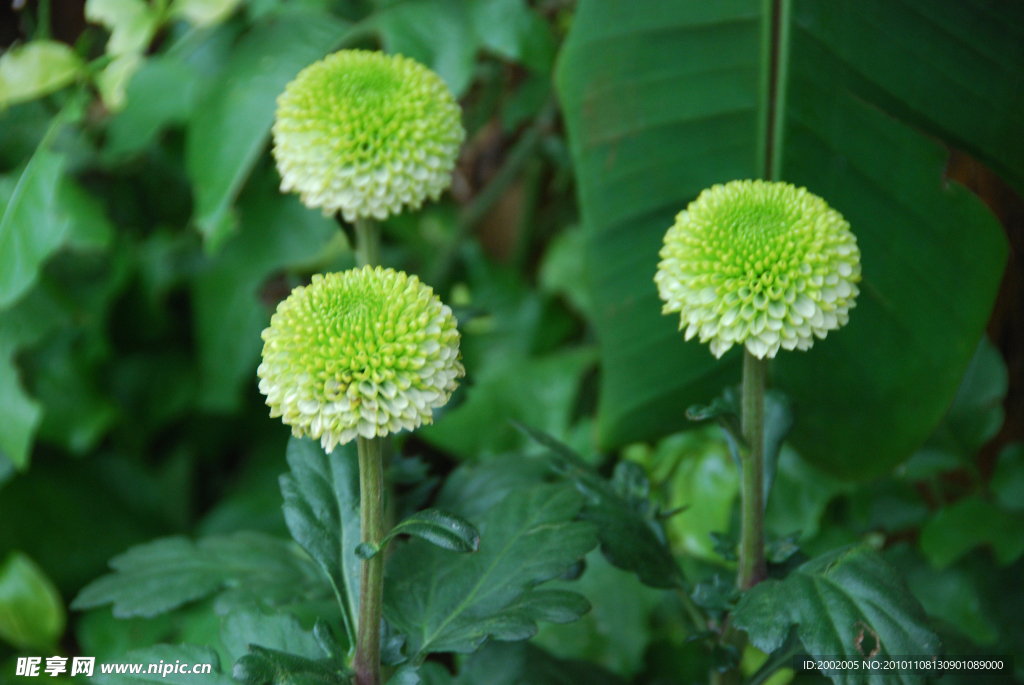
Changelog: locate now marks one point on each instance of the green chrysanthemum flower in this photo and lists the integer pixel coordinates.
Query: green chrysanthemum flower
(366, 133)
(761, 264)
(366, 352)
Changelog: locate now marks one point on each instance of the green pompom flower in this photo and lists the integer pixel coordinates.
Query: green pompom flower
(366, 352)
(367, 134)
(762, 264)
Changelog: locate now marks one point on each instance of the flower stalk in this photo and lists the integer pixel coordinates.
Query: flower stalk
(373, 522)
(371, 582)
(751, 561)
(367, 242)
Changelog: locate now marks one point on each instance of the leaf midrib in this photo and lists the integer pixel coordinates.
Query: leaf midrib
(472, 594)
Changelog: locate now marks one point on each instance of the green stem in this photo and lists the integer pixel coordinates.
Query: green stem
(751, 564)
(371, 580)
(367, 242)
(42, 20)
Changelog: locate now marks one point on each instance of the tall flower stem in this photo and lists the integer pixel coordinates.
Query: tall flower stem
(751, 564)
(371, 580)
(367, 242)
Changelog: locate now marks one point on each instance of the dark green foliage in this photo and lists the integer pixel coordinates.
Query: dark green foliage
(848, 604)
(630, 538)
(165, 574)
(778, 420)
(664, 103)
(144, 247)
(272, 667)
(321, 507)
(451, 603)
(231, 126)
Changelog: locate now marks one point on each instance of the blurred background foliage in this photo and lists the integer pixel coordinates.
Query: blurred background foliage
(143, 246)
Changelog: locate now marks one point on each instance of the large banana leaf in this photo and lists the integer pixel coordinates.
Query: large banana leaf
(846, 98)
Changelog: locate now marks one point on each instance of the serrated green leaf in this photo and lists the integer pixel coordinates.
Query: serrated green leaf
(448, 602)
(716, 594)
(630, 539)
(843, 604)
(512, 664)
(321, 508)
(663, 103)
(273, 667)
(972, 521)
(230, 128)
(158, 576)
(170, 655)
(36, 69)
(275, 231)
(283, 632)
(31, 610)
(100, 634)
